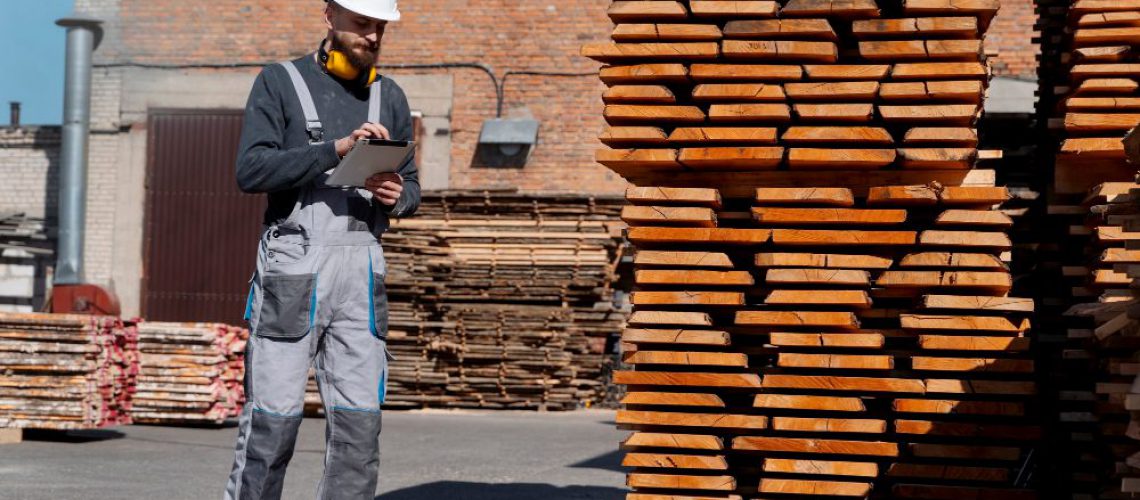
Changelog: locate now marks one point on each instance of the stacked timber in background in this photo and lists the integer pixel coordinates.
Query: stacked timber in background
(1089, 96)
(66, 371)
(502, 300)
(190, 373)
(821, 305)
(1109, 346)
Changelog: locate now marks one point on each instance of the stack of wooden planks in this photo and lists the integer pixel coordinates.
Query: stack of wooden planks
(821, 306)
(1093, 86)
(1104, 341)
(502, 300)
(66, 371)
(189, 373)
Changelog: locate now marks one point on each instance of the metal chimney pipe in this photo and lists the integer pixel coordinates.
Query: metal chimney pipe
(83, 35)
(14, 122)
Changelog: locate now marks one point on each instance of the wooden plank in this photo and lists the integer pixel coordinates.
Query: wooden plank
(822, 467)
(974, 218)
(816, 276)
(751, 73)
(693, 277)
(645, 94)
(725, 359)
(807, 29)
(937, 158)
(819, 260)
(954, 114)
(622, 159)
(650, 235)
(851, 113)
(623, 137)
(780, 50)
(615, 52)
(672, 399)
(810, 487)
(975, 365)
(821, 403)
(959, 27)
(938, 71)
(712, 483)
(669, 440)
(846, 340)
(846, 9)
(750, 112)
(835, 361)
(668, 195)
(842, 320)
(846, 72)
(848, 298)
(823, 237)
(980, 303)
(960, 136)
(973, 343)
(682, 259)
(732, 158)
(826, 446)
(733, 8)
(756, 92)
(952, 260)
(634, 11)
(644, 74)
(686, 337)
(967, 239)
(670, 318)
(814, 216)
(714, 135)
(809, 195)
(959, 323)
(666, 32)
(706, 420)
(674, 461)
(910, 50)
(663, 215)
(844, 384)
(837, 135)
(641, 113)
(688, 379)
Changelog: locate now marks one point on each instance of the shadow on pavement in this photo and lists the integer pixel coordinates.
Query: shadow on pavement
(458, 490)
(607, 461)
(71, 436)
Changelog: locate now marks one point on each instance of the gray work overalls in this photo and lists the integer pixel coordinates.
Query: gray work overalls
(317, 298)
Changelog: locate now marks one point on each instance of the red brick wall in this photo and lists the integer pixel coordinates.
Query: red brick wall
(506, 35)
(1011, 34)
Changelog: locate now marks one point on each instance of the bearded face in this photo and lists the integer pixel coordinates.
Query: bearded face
(357, 36)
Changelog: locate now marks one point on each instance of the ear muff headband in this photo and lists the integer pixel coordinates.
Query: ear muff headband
(337, 63)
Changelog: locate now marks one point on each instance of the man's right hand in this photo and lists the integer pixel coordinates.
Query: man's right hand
(367, 130)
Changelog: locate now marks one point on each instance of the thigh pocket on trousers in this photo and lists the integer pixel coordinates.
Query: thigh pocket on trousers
(287, 306)
(379, 309)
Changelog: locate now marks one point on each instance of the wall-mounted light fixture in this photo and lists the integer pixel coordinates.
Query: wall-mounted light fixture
(507, 143)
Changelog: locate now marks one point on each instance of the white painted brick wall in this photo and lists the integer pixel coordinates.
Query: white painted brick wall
(27, 155)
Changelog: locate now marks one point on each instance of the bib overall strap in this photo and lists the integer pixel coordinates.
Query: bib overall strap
(313, 125)
(374, 101)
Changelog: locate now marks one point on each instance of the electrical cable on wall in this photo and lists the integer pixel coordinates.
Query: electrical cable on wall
(497, 82)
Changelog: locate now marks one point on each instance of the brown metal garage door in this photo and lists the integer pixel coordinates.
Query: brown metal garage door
(201, 231)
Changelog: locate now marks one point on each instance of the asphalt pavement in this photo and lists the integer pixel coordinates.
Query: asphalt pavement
(424, 455)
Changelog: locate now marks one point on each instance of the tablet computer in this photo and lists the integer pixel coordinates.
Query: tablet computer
(370, 157)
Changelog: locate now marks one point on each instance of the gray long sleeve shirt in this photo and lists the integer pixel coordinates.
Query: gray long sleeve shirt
(274, 155)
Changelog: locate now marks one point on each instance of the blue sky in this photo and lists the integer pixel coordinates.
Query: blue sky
(33, 52)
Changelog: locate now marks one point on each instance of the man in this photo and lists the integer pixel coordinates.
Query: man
(318, 294)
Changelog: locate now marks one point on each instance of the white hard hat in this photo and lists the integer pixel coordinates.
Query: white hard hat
(384, 10)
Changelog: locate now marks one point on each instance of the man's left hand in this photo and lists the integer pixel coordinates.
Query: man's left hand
(386, 187)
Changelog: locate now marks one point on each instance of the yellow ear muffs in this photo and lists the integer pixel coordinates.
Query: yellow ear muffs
(336, 63)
